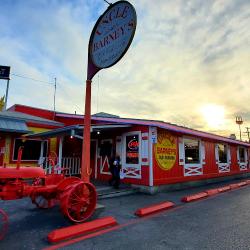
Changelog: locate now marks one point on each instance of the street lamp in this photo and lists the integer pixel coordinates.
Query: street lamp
(239, 121)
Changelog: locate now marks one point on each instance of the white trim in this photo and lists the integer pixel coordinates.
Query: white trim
(144, 149)
(192, 169)
(223, 167)
(131, 170)
(104, 159)
(124, 151)
(33, 160)
(60, 153)
(242, 165)
(151, 172)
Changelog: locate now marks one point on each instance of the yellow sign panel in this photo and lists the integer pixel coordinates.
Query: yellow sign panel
(165, 150)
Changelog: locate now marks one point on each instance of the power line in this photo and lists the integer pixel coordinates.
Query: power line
(55, 84)
(33, 79)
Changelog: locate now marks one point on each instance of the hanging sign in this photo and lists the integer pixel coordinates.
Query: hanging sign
(165, 150)
(111, 36)
(5, 72)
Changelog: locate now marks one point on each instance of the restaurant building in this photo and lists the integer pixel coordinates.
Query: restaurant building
(154, 154)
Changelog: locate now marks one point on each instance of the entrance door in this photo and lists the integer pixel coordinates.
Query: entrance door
(2, 149)
(93, 163)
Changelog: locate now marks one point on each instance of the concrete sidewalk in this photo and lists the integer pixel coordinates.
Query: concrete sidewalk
(32, 225)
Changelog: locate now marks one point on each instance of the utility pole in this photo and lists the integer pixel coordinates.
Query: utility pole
(55, 98)
(248, 133)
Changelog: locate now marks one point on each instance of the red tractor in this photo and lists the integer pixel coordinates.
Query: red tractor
(77, 199)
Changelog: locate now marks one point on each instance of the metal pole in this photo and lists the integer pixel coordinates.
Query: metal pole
(55, 98)
(248, 132)
(6, 95)
(85, 166)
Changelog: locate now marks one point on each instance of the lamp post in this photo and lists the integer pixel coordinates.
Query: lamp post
(239, 121)
(109, 41)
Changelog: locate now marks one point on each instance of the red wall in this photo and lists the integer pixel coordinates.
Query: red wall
(210, 168)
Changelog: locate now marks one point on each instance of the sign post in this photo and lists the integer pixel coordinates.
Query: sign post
(109, 41)
(5, 75)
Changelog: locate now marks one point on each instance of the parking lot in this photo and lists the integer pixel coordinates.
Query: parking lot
(218, 222)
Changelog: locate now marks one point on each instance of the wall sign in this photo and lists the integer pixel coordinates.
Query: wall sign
(154, 135)
(165, 150)
(112, 34)
(5, 72)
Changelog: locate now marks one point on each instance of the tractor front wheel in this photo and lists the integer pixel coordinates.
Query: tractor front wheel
(4, 224)
(78, 201)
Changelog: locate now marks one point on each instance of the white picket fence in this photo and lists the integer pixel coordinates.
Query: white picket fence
(70, 165)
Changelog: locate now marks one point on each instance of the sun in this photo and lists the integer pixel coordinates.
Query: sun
(214, 115)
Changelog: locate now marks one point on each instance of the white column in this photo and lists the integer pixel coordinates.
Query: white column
(151, 164)
(60, 154)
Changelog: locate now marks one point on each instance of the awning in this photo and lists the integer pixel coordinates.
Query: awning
(13, 126)
(76, 130)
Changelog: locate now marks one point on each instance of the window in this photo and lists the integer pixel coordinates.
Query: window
(31, 149)
(192, 151)
(222, 152)
(242, 154)
(132, 149)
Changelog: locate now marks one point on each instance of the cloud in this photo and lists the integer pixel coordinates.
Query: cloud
(185, 54)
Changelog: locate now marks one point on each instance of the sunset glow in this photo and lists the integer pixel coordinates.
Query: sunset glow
(214, 115)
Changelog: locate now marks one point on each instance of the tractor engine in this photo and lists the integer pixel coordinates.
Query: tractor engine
(11, 189)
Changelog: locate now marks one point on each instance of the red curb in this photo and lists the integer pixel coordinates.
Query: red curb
(76, 230)
(211, 192)
(154, 208)
(243, 183)
(194, 197)
(224, 189)
(234, 186)
(248, 182)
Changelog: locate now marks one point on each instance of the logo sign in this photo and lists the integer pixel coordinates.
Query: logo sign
(5, 72)
(133, 144)
(165, 150)
(112, 34)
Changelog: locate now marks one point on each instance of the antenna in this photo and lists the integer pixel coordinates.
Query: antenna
(55, 98)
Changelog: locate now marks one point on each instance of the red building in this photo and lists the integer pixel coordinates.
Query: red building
(153, 153)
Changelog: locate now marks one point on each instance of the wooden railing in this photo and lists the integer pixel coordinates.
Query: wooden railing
(70, 165)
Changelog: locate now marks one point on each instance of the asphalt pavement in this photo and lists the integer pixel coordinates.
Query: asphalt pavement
(219, 222)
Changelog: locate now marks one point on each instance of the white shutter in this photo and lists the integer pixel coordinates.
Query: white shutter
(144, 148)
(181, 151)
(216, 154)
(203, 154)
(238, 155)
(229, 154)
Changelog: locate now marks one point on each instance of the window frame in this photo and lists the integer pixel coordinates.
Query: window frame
(245, 155)
(200, 153)
(125, 147)
(227, 148)
(30, 161)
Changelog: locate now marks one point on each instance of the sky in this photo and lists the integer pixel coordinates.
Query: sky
(189, 62)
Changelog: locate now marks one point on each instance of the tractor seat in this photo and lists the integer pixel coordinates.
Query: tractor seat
(21, 173)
